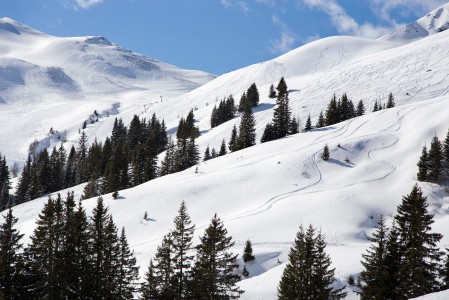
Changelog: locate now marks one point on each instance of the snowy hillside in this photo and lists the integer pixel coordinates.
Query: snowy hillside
(264, 192)
(434, 22)
(51, 82)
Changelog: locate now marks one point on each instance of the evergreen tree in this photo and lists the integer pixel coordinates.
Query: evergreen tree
(445, 272)
(435, 159)
(419, 264)
(150, 168)
(423, 165)
(213, 153)
(223, 150)
(307, 274)
(182, 247)
(168, 164)
(325, 155)
(332, 112)
(282, 114)
(392, 264)
(446, 154)
(81, 159)
(247, 130)
(24, 181)
(71, 168)
(110, 281)
(248, 252)
(215, 270)
(308, 124)
(164, 277)
(376, 107)
(186, 154)
(207, 154)
(374, 274)
(245, 272)
(233, 142)
(11, 259)
(321, 121)
(272, 92)
(148, 289)
(390, 102)
(253, 95)
(269, 133)
(243, 103)
(360, 108)
(48, 252)
(128, 272)
(294, 126)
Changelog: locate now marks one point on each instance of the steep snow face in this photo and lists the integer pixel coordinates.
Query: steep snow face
(434, 22)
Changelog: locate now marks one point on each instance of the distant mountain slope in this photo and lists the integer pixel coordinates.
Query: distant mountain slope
(434, 22)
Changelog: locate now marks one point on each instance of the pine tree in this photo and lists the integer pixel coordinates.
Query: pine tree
(245, 272)
(392, 263)
(446, 154)
(24, 181)
(332, 112)
(243, 103)
(128, 272)
(423, 165)
(390, 102)
(268, 133)
(223, 150)
(248, 252)
(445, 272)
(81, 159)
(294, 126)
(168, 164)
(272, 92)
(215, 270)
(233, 142)
(376, 107)
(253, 95)
(308, 124)
(207, 154)
(247, 130)
(282, 114)
(148, 289)
(325, 155)
(307, 274)
(374, 274)
(360, 108)
(11, 259)
(435, 159)
(164, 269)
(70, 169)
(418, 270)
(109, 283)
(321, 121)
(182, 247)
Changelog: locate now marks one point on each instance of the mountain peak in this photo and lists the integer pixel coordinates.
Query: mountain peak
(434, 22)
(11, 26)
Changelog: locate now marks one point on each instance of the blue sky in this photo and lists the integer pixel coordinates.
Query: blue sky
(216, 36)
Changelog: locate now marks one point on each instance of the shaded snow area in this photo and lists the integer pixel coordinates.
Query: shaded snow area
(262, 193)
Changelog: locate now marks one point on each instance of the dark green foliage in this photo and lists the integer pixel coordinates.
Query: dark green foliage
(233, 141)
(24, 181)
(187, 128)
(445, 272)
(81, 159)
(423, 165)
(294, 126)
(252, 95)
(247, 130)
(390, 102)
(332, 112)
(5, 183)
(11, 259)
(207, 154)
(372, 280)
(308, 124)
(418, 268)
(269, 133)
(148, 289)
(282, 114)
(224, 112)
(186, 154)
(248, 252)
(245, 272)
(168, 164)
(70, 169)
(215, 270)
(435, 159)
(243, 103)
(223, 150)
(321, 121)
(307, 274)
(338, 111)
(325, 155)
(118, 132)
(360, 109)
(272, 92)
(446, 154)
(182, 252)
(164, 277)
(128, 272)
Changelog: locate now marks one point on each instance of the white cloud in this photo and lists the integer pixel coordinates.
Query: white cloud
(344, 23)
(243, 5)
(81, 4)
(383, 8)
(286, 39)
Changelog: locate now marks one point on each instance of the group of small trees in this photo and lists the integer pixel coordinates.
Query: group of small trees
(126, 159)
(340, 110)
(435, 161)
(308, 274)
(282, 123)
(185, 153)
(403, 261)
(182, 271)
(70, 255)
(223, 113)
(379, 106)
(250, 98)
(209, 154)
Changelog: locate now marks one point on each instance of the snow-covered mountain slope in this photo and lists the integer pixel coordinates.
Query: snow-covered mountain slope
(52, 82)
(434, 22)
(435, 296)
(265, 192)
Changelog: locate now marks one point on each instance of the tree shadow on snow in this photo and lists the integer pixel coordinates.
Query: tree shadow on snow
(263, 106)
(340, 163)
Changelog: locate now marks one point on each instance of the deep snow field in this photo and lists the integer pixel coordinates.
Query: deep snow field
(263, 193)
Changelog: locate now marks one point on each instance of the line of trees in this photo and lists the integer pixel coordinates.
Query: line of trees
(223, 113)
(70, 256)
(5, 183)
